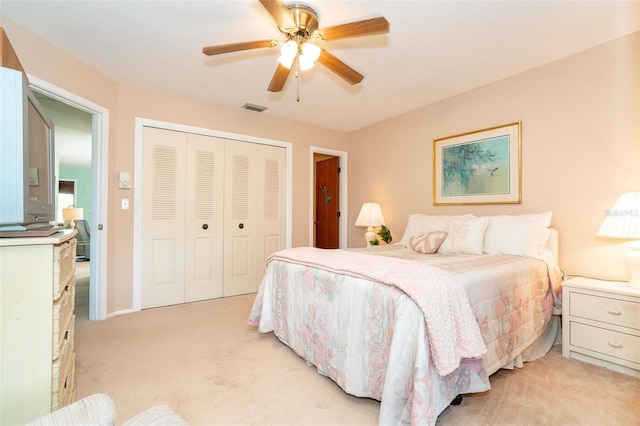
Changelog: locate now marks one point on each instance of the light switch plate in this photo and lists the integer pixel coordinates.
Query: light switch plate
(124, 180)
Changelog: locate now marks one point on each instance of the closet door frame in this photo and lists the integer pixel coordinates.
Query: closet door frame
(140, 123)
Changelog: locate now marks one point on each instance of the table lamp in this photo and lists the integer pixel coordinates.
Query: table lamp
(370, 216)
(623, 222)
(72, 214)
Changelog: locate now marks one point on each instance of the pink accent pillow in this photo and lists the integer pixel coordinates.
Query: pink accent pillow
(426, 242)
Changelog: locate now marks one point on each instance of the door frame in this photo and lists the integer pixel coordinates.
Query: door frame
(140, 123)
(344, 213)
(99, 189)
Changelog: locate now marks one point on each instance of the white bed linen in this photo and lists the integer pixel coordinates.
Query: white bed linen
(371, 338)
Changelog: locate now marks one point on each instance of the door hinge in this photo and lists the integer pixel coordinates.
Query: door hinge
(339, 170)
(338, 214)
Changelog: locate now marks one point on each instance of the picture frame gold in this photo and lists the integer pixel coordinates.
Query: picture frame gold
(479, 167)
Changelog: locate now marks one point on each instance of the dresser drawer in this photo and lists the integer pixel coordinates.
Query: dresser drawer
(608, 342)
(605, 309)
(65, 335)
(64, 265)
(69, 391)
(62, 316)
(62, 385)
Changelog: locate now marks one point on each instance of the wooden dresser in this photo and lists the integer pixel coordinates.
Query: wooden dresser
(37, 358)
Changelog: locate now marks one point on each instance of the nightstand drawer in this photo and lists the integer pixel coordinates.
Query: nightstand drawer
(620, 345)
(604, 309)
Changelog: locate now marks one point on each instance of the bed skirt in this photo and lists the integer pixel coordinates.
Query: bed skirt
(552, 336)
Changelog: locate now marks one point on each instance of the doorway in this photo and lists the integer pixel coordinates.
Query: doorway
(328, 198)
(97, 192)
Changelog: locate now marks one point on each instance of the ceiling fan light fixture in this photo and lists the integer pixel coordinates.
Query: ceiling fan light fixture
(310, 52)
(305, 64)
(288, 52)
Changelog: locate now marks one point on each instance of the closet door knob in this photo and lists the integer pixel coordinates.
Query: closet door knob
(205, 226)
(241, 226)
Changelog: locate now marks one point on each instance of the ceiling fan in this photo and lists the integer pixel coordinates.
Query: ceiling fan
(299, 24)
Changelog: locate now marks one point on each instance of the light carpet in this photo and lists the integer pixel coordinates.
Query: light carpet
(204, 361)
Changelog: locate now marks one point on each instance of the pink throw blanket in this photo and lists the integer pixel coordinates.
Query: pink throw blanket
(452, 329)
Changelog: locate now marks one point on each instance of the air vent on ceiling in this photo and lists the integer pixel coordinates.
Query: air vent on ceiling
(254, 107)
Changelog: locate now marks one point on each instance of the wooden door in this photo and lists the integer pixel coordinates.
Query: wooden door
(204, 218)
(240, 218)
(163, 213)
(327, 203)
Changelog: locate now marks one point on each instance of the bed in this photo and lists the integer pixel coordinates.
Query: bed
(418, 323)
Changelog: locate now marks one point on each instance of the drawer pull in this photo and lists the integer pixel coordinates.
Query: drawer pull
(615, 344)
(614, 311)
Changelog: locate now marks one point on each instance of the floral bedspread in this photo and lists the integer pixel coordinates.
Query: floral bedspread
(371, 338)
(452, 329)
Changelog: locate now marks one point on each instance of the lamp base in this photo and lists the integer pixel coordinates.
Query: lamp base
(633, 265)
(369, 236)
(72, 224)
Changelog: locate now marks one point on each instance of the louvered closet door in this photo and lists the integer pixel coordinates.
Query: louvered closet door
(271, 204)
(163, 200)
(213, 210)
(240, 219)
(204, 219)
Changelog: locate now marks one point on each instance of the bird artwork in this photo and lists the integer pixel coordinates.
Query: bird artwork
(325, 191)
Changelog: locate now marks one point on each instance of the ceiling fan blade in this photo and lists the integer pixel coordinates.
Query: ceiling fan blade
(279, 78)
(280, 13)
(236, 47)
(355, 29)
(350, 75)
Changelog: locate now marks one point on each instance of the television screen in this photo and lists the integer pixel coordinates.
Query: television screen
(39, 135)
(27, 155)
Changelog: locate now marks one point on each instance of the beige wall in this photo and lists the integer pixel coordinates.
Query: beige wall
(125, 103)
(580, 149)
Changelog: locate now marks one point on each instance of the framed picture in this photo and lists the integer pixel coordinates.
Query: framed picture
(480, 167)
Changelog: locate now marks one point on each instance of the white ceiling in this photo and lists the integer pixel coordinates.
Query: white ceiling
(434, 50)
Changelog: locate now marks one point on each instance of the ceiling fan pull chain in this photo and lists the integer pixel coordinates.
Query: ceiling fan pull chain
(298, 81)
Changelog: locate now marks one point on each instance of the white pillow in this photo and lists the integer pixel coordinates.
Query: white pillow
(543, 219)
(419, 223)
(464, 236)
(522, 235)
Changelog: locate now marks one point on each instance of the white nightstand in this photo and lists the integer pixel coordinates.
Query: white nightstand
(601, 324)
